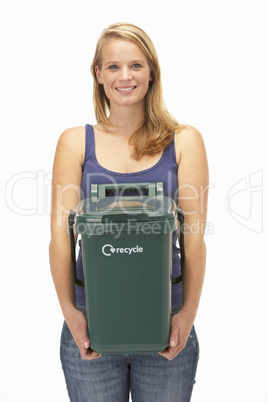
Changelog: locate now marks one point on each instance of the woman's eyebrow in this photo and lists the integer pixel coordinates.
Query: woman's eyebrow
(118, 62)
(111, 62)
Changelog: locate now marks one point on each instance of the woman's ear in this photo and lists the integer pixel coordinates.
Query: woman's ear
(98, 75)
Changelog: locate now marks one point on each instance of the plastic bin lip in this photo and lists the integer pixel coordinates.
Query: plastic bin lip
(121, 205)
(146, 208)
(90, 228)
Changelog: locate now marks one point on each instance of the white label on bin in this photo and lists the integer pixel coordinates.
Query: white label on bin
(108, 250)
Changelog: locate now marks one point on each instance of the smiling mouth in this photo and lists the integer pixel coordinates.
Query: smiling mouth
(125, 89)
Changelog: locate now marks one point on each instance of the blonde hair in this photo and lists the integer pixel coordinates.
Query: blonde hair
(158, 127)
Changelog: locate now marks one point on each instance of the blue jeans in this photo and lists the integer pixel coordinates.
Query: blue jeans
(148, 376)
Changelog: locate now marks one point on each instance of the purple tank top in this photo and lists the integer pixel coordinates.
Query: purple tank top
(165, 170)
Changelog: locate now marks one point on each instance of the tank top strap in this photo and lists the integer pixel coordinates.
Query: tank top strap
(170, 150)
(89, 142)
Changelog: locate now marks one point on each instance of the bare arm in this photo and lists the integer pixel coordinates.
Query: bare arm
(66, 187)
(193, 181)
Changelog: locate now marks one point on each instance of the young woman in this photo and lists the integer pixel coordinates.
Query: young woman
(135, 140)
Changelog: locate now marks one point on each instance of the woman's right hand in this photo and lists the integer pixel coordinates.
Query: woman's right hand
(77, 324)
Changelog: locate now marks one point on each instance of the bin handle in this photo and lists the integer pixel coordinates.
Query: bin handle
(180, 216)
(71, 220)
(98, 191)
(109, 218)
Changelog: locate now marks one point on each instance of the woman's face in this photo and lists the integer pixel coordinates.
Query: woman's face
(125, 72)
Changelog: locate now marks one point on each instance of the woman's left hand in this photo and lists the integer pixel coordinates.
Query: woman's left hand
(181, 325)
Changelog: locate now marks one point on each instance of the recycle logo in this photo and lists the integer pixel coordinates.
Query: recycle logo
(108, 250)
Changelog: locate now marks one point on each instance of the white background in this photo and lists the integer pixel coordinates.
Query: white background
(214, 70)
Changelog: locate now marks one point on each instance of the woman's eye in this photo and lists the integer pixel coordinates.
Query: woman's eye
(113, 67)
(136, 65)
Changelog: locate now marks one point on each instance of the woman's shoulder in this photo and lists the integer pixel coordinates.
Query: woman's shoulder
(72, 134)
(71, 142)
(187, 132)
(188, 138)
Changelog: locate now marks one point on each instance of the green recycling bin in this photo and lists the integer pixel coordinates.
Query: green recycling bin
(126, 237)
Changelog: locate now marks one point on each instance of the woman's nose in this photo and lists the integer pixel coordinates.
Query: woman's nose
(125, 75)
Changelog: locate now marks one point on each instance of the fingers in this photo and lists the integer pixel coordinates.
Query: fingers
(78, 326)
(87, 353)
(176, 344)
(170, 353)
(173, 339)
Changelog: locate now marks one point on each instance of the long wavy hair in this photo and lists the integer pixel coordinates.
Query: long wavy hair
(157, 130)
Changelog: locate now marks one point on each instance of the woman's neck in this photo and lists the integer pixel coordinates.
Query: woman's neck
(126, 119)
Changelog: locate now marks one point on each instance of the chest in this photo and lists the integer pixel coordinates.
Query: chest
(115, 155)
